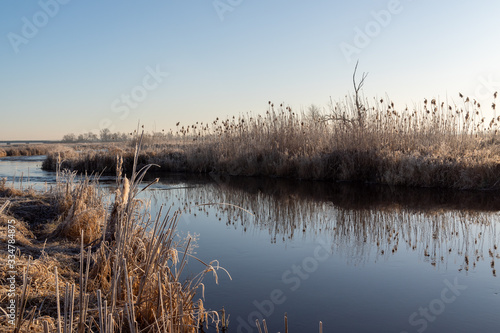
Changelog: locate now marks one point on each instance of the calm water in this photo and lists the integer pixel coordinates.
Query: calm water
(28, 169)
(358, 258)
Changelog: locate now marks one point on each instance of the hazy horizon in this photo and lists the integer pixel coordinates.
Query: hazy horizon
(74, 67)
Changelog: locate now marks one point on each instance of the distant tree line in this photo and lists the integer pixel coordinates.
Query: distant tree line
(106, 135)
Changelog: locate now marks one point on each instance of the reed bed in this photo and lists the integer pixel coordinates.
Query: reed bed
(438, 145)
(27, 150)
(127, 277)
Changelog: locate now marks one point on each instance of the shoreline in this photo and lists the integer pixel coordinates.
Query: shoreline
(393, 168)
(66, 247)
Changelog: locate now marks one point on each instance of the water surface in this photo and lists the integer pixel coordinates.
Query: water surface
(359, 258)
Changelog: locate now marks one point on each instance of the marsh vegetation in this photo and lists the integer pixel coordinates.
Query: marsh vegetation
(374, 237)
(122, 265)
(438, 145)
(83, 267)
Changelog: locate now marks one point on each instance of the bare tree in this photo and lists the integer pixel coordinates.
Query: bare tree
(338, 111)
(314, 113)
(71, 137)
(105, 135)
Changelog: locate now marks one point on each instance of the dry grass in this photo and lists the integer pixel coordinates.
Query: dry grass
(129, 280)
(6, 191)
(82, 209)
(30, 211)
(26, 150)
(438, 145)
(104, 160)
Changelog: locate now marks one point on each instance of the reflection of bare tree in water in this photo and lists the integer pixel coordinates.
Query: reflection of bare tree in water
(365, 224)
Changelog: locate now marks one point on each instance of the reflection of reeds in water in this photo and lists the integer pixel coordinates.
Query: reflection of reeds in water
(361, 229)
(440, 238)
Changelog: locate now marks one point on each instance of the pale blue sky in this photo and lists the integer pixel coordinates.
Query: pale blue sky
(87, 59)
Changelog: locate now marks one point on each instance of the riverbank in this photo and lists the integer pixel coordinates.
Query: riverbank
(74, 263)
(46, 148)
(26, 150)
(439, 146)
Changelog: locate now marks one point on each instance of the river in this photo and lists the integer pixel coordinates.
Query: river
(360, 258)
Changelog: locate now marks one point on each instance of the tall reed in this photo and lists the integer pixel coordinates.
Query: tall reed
(438, 145)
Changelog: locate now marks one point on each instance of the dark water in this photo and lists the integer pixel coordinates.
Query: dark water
(359, 258)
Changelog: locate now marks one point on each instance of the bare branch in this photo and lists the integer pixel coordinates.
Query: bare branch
(357, 87)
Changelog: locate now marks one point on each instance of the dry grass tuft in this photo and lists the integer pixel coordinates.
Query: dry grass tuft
(82, 209)
(24, 236)
(6, 191)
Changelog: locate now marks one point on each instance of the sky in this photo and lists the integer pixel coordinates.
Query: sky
(74, 66)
